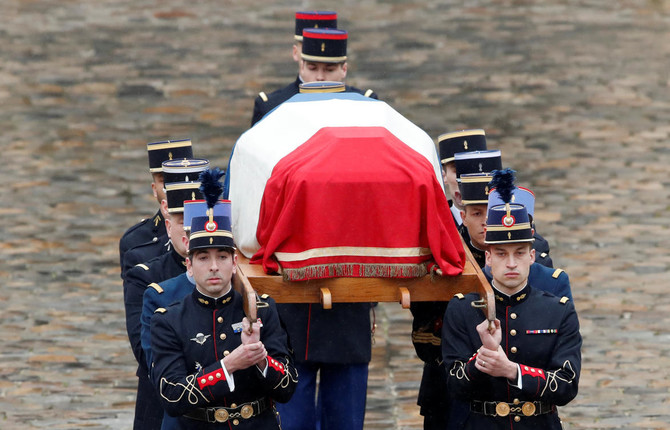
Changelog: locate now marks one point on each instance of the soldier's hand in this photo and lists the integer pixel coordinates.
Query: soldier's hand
(255, 335)
(245, 356)
(495, 363)
(490, 340)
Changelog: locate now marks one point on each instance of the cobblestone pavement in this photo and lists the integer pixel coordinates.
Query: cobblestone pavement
(575, 93)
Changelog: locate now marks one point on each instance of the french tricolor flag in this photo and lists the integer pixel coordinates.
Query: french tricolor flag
(338, 184)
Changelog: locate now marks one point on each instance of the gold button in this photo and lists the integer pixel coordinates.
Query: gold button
(528, 409)
(223, 336)
(226, 353)
(512, 315)
(236, 422)
(220, 319)
(221, 415)
(234, 405)
(516, 401)
(502, 409)
(513, 350)
(247, 411)
(512, 332)
(517, 418)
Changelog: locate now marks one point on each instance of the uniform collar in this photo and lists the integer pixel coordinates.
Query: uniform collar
(212, 303)
(178, 259)
(514, 299)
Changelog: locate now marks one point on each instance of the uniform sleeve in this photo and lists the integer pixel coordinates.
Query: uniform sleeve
(427, 330)
(259, 110)
(178, 390)
(281, 376)
(557, 384)
(149, 306)
(459, 351)
(133, 289)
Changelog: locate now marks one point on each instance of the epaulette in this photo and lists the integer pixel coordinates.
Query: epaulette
(557, 273)
(160, 310)
(564, 300)
(460, 296)
(156, 287)
(368, 93)
(263, 96)
(143, 266)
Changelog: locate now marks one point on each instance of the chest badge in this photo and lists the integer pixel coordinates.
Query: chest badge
(200, 338)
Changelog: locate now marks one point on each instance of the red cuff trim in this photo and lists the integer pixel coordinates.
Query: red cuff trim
(212, 378)
(532, 371)
(276, 365)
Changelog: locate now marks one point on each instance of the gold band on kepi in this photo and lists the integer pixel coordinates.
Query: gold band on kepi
(324, 45)
(313, 19)
(460, 141)
(322, 87)
(167, 150)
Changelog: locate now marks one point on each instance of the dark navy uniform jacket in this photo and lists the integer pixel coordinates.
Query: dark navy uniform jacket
(339, 335)
(540, 332)
(150, 234)
(264, 105)
(188, 341)
(541, 247)
(137, 280)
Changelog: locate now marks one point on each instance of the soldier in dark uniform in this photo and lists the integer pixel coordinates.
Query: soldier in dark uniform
(323, 58)
(303, 19)
(449, 145)
(513, 373)
(165, 266)
(149, 235)
(210, 368)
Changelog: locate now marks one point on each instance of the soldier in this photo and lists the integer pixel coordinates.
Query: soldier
(450, 144)
(150, 234)
(165, 266)
(323, 58)
(516, 380)
(211, 367)
(309, 19)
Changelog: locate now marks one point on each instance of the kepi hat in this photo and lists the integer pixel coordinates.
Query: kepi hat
(507, 222)
(324, 45)
(460, 141)
(167, 150)
(313, 19)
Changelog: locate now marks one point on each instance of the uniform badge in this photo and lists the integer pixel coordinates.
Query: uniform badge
(200, 338)
(237, 327)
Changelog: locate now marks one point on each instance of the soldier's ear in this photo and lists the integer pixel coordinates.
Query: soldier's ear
(344, 69)
(296, 52)
(185, 240)
(532, 254)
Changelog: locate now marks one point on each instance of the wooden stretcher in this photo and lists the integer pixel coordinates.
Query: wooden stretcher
(251, 280)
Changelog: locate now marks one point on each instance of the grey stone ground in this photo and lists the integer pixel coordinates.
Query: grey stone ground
(575, 93)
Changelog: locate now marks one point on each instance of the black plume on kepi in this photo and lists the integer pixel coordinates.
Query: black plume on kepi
(503, 183)
(210, 186)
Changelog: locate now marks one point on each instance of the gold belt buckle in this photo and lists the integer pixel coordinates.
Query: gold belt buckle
(247, 411)
(528, 409)
(221, 415)
(502, 409)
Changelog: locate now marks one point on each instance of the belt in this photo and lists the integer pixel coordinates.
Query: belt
(222, 414)
(502, 409)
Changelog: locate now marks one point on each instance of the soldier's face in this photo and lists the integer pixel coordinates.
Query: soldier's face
(452, 184)
(174, 224)
(157, 186)
(474, 218)
(510, 265)
(212, 269)
(311, 71)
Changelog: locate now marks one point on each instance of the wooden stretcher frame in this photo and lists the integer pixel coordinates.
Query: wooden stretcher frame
(252, 280)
